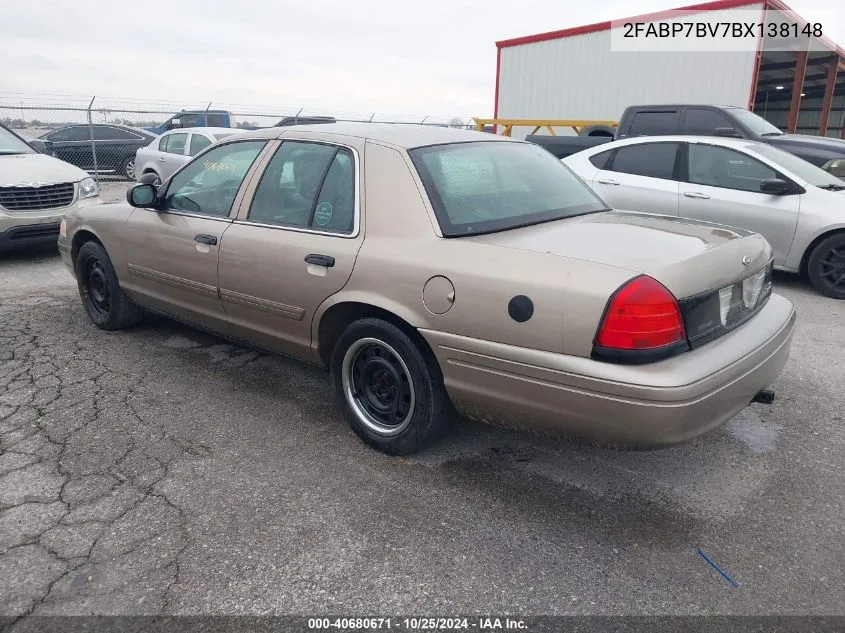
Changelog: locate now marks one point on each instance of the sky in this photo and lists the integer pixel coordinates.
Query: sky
(435, 58)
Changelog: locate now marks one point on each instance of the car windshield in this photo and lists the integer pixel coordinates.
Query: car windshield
(798, 166)
(10, 143)
(488, 186)
(755, 123)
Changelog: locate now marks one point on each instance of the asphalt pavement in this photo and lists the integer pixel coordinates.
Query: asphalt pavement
(162, 470)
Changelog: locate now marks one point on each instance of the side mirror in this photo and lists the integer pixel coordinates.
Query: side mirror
(142, 196)
(40, 146)
(727, 131)
(775, 186)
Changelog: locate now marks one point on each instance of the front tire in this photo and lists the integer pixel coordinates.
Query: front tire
(826, 266)
(105, 303)
(390, 389)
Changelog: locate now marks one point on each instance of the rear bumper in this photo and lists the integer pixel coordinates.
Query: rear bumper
(29, 235)
(657, 404)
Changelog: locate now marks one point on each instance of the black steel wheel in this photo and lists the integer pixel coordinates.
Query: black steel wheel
(96, 291)
(826, 266)
(105, 303)
(389, 386)
(377, 385)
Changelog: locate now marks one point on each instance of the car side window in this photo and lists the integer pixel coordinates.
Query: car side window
(70, 134)
(191, 120)
(307, 185)
(108, 133)
(198, 143)
(162, 143)
(654, 123)
(654, 160)
(716, 166)
(600, 160)
(209, 184)
(176, 143)
(215, 119)
(704, 122)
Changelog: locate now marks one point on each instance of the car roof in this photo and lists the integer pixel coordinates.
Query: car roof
(686, 105)
(404, 135)
(736, 143)
(206, 130)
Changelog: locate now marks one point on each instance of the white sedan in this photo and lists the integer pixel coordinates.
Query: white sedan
(175, 148)
(798, 207)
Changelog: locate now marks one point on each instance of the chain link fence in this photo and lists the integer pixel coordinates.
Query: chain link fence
(101, 135)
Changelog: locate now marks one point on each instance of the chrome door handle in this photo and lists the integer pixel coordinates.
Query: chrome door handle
(162, 159)
(607, 181)
(696, 194)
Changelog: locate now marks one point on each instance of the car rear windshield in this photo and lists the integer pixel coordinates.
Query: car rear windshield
(483, 187)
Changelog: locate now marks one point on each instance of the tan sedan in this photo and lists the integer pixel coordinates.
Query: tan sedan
(428, 267)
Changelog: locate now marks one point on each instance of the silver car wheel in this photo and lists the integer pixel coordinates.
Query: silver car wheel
(377, 386)
(129, 169)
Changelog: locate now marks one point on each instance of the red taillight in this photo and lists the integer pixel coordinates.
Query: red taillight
(642, 315)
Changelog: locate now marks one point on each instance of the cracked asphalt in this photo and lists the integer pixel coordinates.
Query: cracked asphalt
(160, 470)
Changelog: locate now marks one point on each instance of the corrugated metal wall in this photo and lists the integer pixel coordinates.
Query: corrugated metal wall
(580, 77)
(809, 117)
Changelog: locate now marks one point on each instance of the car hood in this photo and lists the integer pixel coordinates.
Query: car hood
(687, 256)
(835, 146)
(19, 169)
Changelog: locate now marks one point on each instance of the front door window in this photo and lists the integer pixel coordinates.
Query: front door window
(208, 185)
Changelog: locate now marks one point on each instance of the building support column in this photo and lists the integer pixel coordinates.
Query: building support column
(827, 102)
(797, 87)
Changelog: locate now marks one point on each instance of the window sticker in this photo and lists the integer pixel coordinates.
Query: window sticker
(323, 213)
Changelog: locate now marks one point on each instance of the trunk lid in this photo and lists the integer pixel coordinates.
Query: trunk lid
(689, 257)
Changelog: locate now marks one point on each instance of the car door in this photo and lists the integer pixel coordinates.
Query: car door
(723, 185)
(172, 252)
(173, 155)
(293, 244)
(641, 177)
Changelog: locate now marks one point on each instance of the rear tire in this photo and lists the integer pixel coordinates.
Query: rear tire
(105, 303)
(391, 392)
(128, 168)
(826, 266)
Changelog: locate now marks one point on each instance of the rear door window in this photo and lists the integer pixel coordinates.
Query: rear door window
(600, 160)
(108, 133)
(307, 185)
(198, 143)
(653, 160)
(654, 123)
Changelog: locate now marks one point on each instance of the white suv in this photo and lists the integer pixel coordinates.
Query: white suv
(36, 191)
